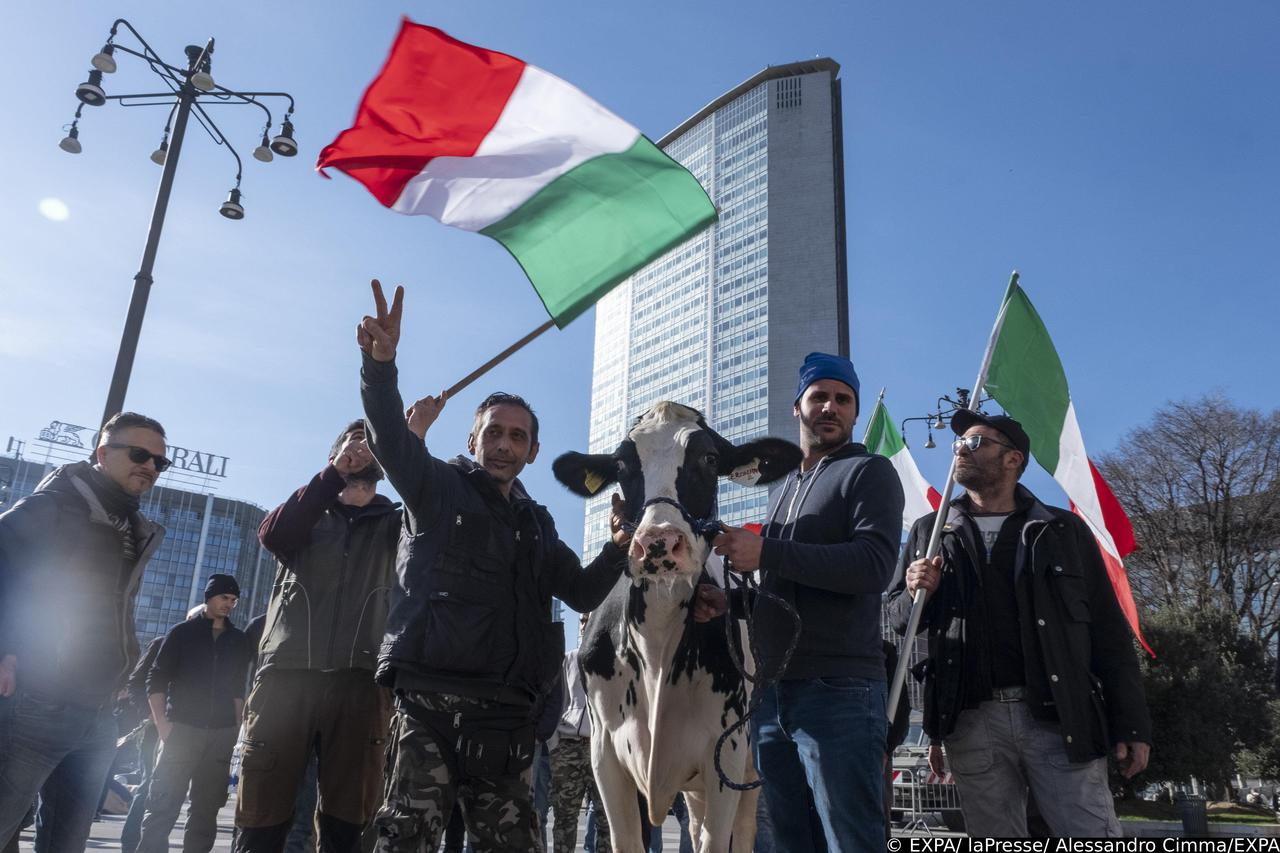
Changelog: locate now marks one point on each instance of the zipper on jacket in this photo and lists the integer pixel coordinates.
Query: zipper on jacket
(337, 598)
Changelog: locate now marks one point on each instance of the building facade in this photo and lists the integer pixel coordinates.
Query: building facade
(204, 534)
(723, 322)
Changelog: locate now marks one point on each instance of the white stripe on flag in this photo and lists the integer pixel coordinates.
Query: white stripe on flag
(915, 488)
(547, 128)
(1076, 479)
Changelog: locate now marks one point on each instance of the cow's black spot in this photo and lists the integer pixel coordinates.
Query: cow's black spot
(619, 710)
(669, 564)
(631, 697)
(633, 660)
(628, 747)
(597, 654)
(733, 744)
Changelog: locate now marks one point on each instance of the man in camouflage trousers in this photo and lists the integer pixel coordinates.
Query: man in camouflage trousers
(571, 775)
(470, 648)
(424, 781)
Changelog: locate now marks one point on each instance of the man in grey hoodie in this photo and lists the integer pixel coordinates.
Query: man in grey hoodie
(828, 549)
(71, 560)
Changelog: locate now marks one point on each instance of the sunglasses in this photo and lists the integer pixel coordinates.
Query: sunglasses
(973, 442)
(139, 455)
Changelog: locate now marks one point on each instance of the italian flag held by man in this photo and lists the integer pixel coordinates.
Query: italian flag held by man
(1026, 378)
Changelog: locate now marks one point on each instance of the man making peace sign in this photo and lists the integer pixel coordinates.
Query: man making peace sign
(470, 647)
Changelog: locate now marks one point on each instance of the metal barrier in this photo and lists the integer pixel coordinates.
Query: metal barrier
(907, 798)
(920, 793)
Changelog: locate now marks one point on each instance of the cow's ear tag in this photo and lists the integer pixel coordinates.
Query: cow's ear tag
(747, 474)
(592, 481)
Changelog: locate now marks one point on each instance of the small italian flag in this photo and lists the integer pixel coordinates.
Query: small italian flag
(1026, 378)
(485, 142)
(883, 438)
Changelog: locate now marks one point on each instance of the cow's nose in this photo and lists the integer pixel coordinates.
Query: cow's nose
(656, 545)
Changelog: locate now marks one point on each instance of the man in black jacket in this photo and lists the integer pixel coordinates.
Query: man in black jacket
(71, 560)
(470, 649)
(1031, 678)
(828, 549)
(314, 692)
(196, 693)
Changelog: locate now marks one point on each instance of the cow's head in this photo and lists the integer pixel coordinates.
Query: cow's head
(668, 468)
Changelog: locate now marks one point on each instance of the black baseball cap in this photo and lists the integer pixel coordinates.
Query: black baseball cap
(1005, 425)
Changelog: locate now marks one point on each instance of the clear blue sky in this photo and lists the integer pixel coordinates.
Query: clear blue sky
(1125, 157)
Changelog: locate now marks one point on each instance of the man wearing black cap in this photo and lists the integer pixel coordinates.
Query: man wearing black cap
(1031, 678)
(828, 549)
(196, 693)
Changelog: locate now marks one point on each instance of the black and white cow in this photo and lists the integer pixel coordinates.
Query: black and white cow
(661, 687)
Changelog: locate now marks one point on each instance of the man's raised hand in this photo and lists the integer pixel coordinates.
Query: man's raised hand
(422, 414)
(354, 455)
(380, 335)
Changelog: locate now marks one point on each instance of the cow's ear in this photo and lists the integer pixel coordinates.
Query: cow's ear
(760, 462)
(585, 473)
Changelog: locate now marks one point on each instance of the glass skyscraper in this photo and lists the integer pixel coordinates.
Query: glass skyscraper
(723, 322)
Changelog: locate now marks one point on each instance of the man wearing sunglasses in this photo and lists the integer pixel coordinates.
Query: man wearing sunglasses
(71, 560)
(1031, 679)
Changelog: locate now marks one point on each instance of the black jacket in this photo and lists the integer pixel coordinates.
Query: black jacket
(471, 614)
(328, 606)
(828, 548)
(1078, 652)
(66, 591)
(201, 677)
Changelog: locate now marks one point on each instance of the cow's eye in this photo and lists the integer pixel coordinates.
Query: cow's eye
(712, 460)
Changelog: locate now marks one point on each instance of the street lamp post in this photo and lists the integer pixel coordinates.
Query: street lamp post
(195, 88)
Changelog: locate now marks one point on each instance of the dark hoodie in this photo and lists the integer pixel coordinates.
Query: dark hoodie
(67, 588)
(829, 549)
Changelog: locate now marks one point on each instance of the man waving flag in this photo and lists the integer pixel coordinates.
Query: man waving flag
(1026, 378)
(486, 142)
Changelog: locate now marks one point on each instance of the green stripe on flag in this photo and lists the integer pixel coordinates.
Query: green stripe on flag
(1027, 380)
(882, 436)
(599, 222)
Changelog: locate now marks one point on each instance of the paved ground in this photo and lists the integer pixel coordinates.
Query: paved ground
(106, 834)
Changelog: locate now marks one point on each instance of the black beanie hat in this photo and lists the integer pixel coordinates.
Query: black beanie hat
(221, 585)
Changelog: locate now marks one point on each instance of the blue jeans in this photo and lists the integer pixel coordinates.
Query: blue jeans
(302, 833)
(820, 742)
(60, 751)
(542, 787)
(131, 832)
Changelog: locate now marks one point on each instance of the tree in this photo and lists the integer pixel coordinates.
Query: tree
(1207, 689)
(1201, 484)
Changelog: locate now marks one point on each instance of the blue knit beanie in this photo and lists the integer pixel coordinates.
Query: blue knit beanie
(821, 365)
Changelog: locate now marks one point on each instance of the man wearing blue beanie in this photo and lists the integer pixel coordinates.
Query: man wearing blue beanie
(828, 548)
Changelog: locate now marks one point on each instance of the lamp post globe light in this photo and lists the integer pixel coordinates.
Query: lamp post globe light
(189, 89)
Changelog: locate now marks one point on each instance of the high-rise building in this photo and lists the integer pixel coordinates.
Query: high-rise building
(204, 533)
(723, 322)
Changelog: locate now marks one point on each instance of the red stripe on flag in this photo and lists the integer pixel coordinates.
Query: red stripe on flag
(935, 498)
(435, 97)
(1113, 515)
(1120, 585)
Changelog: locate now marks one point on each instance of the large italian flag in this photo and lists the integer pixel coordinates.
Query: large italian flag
(485, 142)
(884, 438)
(1026, 378)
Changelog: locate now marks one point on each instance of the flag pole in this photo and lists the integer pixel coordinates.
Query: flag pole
(870, 420)
(497, 359)
(940, 520)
